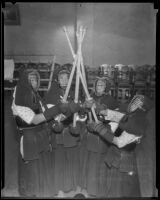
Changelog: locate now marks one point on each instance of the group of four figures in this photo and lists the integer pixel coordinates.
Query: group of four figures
(99, 161)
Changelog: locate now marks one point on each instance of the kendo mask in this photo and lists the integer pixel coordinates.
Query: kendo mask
(63, 77)
(102, 86)
(34, 80)
(139, 101)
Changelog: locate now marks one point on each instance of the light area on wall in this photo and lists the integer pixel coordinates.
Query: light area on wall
(41, 31)
(124, 33)
(85, 19)
(116, 32)
(117, 49)
(60, 35)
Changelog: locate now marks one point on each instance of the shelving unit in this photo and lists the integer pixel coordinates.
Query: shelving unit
(45, 74)
(121, 88)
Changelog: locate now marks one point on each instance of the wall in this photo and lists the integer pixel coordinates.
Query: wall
(122, 33)
(85, 18)
(41, 31)
(117, 33)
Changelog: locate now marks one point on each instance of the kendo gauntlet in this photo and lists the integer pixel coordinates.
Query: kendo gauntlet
(52, 112)
(100, 107)
(69, 108)
(92, 127)
(104, 131)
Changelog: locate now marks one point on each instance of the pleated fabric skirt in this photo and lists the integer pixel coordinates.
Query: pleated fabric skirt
(83, 157)
(96, 174)
(121, 184)
(36, 178)
(71, 168)
(67, 169)
(59, 170)
(66, 163)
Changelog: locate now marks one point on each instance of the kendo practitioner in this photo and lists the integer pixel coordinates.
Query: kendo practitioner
(122, 177)
(146, 156)
(66, 148)
(36, 159)
(96, 146)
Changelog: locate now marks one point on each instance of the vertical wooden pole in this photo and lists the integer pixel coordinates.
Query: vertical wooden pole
(77, 75)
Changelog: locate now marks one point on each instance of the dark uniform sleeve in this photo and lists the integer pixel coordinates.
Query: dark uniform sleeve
(67, 109)
(135, 123)
(146, 158)
(51, 112)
